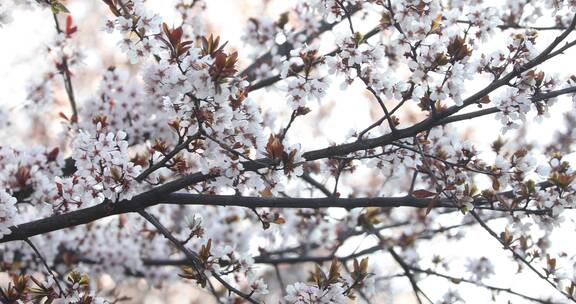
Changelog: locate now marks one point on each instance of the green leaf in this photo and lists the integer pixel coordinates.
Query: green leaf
(58, 7)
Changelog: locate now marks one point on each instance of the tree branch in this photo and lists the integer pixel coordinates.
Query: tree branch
(163, 195)
(519, 257)
(284, 48)
(67, 79)
(193, 258)
(479, 284)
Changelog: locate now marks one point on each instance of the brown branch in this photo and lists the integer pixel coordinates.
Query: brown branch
(387, 114)
(285, 48)
(278, 257)
(348, 16)
(409, 275)
(479, 284)
(273, 79)
(493, 110)
(316, 184)
(518, 256)
(192, 257)
(163, 195)
(280, 280)
(142, 176)
(277, 260)
(45, 263)
(64, 69)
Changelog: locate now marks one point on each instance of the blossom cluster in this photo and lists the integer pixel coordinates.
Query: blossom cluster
(122, 105)
(27, 174)
(64, 56)
(104, 171)
(138, 27)
(7, 212)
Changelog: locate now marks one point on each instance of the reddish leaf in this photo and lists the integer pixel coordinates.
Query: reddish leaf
(63, 116)
(51, 156)
(166, 30)
(69, 28)
(485, 99)
(422, 193)
(274, 148)
(176, 36)
(495, 183)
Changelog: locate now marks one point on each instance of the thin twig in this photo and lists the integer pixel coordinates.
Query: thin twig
(518, 256)
(408, 274)
(64, 69)
(192, 256)
(41, 257)
(479, 284)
